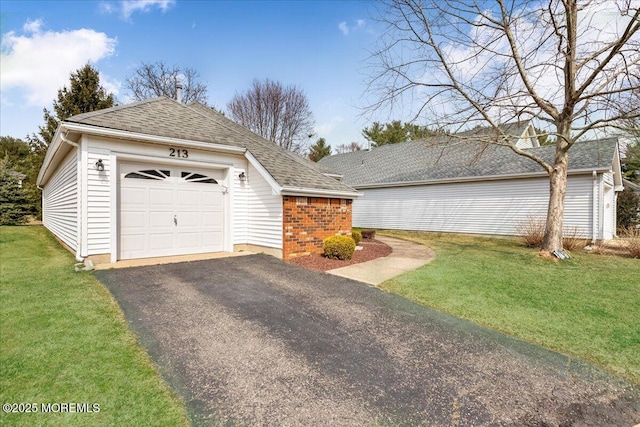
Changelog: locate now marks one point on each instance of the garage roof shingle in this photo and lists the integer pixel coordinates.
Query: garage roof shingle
(165, 117)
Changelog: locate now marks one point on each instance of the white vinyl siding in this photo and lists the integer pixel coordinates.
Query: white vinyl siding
(98, 205)
(60, 201)
(264, 212)
(486, 207)
(240, 208)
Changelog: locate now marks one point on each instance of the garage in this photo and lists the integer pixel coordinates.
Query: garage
(169, 210)
(159, 178)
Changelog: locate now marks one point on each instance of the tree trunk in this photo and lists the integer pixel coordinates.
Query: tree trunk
(557, 190)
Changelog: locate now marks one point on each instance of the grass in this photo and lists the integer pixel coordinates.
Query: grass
(586, 307)
(65, 340)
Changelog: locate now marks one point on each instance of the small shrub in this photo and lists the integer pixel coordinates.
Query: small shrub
(357, 236)
(531, 232)
(368, 234)
(339, 247)
(571, 241)
(632, 235)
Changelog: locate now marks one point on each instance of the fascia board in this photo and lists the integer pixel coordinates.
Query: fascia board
(52, 150)
(264, 173)
(313, 192)
(473, 179)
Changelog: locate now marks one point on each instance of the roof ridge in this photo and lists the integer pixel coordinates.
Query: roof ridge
(230, 124)
(82, 116)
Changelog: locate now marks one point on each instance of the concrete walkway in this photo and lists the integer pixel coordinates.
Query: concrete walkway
(406, 256)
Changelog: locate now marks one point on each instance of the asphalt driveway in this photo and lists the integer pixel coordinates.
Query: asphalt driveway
(254, 341)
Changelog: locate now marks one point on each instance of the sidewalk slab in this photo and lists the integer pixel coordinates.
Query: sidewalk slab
(405, 256)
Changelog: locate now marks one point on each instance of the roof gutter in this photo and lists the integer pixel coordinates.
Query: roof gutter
(298, 191)
(472, 179)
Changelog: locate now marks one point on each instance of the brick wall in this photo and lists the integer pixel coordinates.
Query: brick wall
(307, 221)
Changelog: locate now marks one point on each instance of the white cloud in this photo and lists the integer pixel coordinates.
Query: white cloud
(346, 28)
(126, 8)
(599, 23)
(328, 126)
(107, 8)
(131, 6)
(38, 63)
(32, 26)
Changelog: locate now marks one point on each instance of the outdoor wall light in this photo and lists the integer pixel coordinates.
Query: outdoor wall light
(242, 177)
(99, 165)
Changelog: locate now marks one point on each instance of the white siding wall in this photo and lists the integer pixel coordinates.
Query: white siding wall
(265, 212)
(60, 201)
(98, 204)
(240, 208)
(578, 205)
(488, 207)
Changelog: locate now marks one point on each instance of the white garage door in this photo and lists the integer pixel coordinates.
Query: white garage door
(169, 211)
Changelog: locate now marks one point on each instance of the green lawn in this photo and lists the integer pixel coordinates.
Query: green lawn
(587, 307)
(63, 339)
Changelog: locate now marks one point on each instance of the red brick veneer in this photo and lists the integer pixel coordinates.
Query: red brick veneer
(305, 226)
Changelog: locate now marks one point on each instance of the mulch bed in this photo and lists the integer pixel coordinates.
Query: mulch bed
(371, 249)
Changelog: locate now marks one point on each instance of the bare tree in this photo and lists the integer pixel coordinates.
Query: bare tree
(567, 64)
(348, 148)
(277, 113)
(157, 79)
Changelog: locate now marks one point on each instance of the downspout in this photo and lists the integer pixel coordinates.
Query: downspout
(594, 213)
(79, 258)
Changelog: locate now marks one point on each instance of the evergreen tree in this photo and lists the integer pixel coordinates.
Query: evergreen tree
(631, 163)
(23, 160)
(319, 150)
(395, 132)
(628, 208)
(14, 203)
(85, 94)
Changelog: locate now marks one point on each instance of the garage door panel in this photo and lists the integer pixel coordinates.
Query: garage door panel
(134, 242)
(188, 198)
(160, 241)
(151, 197)
(212, 199)
(161, 219)
(134, 197)
(188, 219)
(189, 240)
(160, 197)
(212, 240)
(211, 219)
(133, 219)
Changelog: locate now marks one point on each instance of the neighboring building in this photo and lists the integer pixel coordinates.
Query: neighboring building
(459, 184)
(159, 178)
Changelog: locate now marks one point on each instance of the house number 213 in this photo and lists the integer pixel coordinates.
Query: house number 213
(174, 152)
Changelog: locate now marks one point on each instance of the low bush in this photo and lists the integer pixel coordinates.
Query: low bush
(357, 236)
(339, 247)
(368, 234)
(632, 235)
(531, 232)
(571, 241)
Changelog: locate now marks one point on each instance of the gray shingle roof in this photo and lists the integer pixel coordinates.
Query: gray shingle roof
(446, 158)
(165, 117)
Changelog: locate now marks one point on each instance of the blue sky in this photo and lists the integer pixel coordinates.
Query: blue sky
(319, 46)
